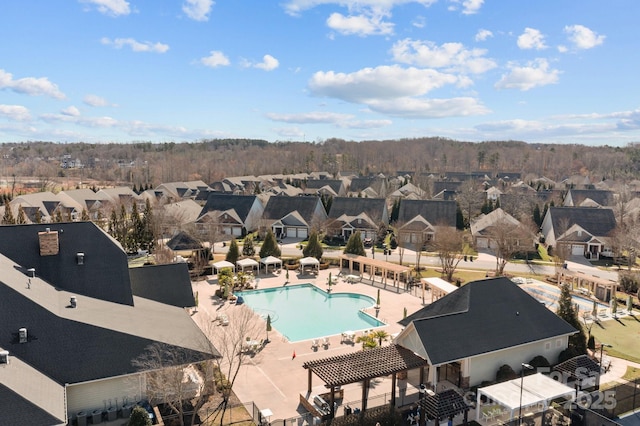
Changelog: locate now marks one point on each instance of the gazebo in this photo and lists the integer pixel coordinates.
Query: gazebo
(270, 260)
(444, 405)
(247, 263)
(310, 261)
(223, 264)
(438, 287)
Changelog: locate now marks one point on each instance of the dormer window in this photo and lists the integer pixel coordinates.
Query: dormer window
(80, 258)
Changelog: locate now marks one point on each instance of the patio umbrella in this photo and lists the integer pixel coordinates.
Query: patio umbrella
(268, 327)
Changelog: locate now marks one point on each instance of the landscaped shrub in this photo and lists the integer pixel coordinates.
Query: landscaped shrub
(568, 353)
(505, 373)
(629, 281)
(539, 362)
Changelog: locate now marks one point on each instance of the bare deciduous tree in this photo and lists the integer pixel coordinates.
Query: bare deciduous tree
(506, 239)
(448, 243)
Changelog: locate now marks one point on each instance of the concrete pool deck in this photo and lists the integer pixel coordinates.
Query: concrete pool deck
(273, 378)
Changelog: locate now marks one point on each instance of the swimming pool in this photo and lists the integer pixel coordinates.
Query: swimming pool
(549, 295)
(302, 312)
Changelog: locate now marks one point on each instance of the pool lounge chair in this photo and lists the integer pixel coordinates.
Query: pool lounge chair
(314, 344)
(325, 342)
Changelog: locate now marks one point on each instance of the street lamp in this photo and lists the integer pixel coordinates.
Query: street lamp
(525, 366)
(602, 346)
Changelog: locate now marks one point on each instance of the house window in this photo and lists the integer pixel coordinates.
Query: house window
(547, 346)
(558, 343)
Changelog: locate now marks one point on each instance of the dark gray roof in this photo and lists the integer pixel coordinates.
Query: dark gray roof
(221, 202)
(481, 317)
(70, 351)
(352, 206)
(334, 184)
(596, 221)
(436, 212)
(168, 284)
(279, 206)
(183, 241)
(104, 274)
(603, 198)
(441, 185)
(16, 409)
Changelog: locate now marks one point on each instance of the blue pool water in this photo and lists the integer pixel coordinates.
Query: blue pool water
(302, 312)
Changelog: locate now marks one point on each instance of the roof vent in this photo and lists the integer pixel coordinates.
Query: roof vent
(4, 357)
(49, 245)
(73, 302)
(22, 335)
(80, 258)
(31, 272)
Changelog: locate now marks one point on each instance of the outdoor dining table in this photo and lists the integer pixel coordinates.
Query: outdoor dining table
(349, 335)
(352, 278)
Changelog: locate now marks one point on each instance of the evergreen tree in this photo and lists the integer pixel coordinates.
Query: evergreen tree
(313, 247)
(58, 216)
(85, 216)
(234, 253)
(137, 229)
(248, 250)
(568, 312)
(395, 211)
(37, 217)
(269, 246)
(536, 215)
(139, 417)
(147, 241)
(22, 217)
(355, 245)
(459, 218)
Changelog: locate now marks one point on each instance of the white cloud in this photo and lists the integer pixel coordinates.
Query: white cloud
(198, 10)
(15, 112)
(215, 59)
(469, 7)
(361, 25)
(419, 22)
(562, 49)
(30, 85)
(429, 108)
(450, 56)
(365, 124)
(531, 39)
(483, 34)
(295, 7)
(269, 63)
(95, 101)
(534, 74)
(136, 46)
(110, 7)
(582, 37)
(316, 117)
(71, 111)
(384, 82)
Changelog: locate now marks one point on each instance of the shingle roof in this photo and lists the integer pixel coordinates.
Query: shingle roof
(596, 221)
(334, 184)
(439, 186)
(16, 409)
(481, 317)
(183, 241)
(280, 206)
(603, 198)
(168, 284)
(65, 350)
(222, 202)
(352, 206)
(436, 212)
(104, 274)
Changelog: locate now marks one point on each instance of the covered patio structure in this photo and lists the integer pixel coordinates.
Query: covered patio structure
(247, 263)
(535, 391)
(444, 405)
(601, 288)
(437, 286)
(271, 260)
(362, 366)
(373, 266)
(223, 264)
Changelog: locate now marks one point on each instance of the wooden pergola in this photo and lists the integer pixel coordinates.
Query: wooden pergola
(372, 266)
(362, 366)
(601, 288)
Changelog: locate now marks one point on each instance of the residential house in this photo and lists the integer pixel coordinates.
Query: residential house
(588, 198)
(371, 187)
(74, 324)
(43, 204)
(232, 215)
(348, 215)
(293, 217)
(332, 187)
(79, 200)
(418, 220)
(484, 230)
(176, 216)
(583, 230)
(177, 191)
(408, 192)
(121, 195)
(467, 335)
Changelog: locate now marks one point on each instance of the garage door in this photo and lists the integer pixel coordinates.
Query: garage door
(577, 250)
(482, 243)
(302, 233)
(236, 231)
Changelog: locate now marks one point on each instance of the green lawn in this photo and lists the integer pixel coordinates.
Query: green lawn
(623, 334)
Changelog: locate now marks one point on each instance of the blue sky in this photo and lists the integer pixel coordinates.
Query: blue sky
(184, 70)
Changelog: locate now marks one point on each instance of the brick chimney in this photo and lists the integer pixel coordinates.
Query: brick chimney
(49, 244)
